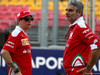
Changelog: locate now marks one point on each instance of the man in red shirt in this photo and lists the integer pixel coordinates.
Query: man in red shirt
(82, 47)
(17, 50)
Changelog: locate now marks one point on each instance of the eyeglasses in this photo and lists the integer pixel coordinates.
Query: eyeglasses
(27, 18)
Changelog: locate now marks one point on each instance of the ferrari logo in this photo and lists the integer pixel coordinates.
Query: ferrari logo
(25, 41)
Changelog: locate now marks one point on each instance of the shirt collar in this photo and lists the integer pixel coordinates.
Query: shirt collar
(78, 20)
(20, 29)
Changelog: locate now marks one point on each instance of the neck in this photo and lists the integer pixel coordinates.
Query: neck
(25, 30)
(74, 19)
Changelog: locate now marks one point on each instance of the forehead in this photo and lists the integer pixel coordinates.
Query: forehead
(71, 7)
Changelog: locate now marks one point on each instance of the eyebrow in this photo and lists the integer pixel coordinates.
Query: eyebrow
(68, 9)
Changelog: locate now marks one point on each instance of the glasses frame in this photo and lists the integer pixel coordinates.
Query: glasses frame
(27, 18)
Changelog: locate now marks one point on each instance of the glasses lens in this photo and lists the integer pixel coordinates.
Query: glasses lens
(28, 18)
(31, 19)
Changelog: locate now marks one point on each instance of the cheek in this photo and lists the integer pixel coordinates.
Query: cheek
(23, 22)
(73, 14)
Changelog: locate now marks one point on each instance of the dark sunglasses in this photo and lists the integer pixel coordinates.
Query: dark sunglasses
(27, 18)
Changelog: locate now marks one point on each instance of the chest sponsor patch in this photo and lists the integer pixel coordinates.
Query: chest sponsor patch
(24, 41)
(27, 51)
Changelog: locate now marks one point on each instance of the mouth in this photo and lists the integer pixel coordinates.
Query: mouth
(28, 24)
(67, 16)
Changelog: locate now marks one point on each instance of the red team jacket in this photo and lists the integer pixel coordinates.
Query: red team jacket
(79, 44)
(20, 50)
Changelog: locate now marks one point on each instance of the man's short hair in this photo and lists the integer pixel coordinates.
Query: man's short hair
(78, 4)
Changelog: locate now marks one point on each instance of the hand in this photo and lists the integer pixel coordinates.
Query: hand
(18, 73)
(84, 70)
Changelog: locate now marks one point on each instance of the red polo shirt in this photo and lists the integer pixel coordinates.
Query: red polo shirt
(80, 42)
(20, 50)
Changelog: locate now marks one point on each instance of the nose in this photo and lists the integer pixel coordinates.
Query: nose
(67, 12)
(29, 20)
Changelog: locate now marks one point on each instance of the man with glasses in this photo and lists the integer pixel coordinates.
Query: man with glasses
(17, 50)
(82, 47)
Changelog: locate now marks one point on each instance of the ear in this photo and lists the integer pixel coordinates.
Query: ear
(18, 21)
(80, 12)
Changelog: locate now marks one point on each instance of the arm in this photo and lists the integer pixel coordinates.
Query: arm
(87, 36)
(93, 59)
(6, 55)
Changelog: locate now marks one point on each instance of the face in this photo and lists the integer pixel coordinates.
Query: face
(25, 23)
(71, 13)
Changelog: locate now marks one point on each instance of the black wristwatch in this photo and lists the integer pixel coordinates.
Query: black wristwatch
(89, 67)
(16, 71)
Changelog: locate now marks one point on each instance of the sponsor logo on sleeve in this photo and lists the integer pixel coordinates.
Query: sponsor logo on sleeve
(10, 44)
(85, 31)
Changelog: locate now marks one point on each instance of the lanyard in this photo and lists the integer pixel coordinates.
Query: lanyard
(67, 35)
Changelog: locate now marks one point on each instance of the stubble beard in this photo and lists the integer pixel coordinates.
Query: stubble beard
(71, 19)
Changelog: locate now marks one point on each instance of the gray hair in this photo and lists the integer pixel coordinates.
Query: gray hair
(78, 4)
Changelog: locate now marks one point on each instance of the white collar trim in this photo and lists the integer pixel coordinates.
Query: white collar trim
(20, 29)
(78, 20)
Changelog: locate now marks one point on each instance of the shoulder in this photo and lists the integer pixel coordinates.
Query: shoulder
(81, 27)
(15, 33)
(82, 24)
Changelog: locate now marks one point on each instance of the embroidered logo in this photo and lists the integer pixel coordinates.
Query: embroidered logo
(70, 35)
(24, 41)
(77, 61)
(27, 51)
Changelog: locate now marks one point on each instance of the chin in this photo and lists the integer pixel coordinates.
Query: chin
(69, 19)
(29, 26)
